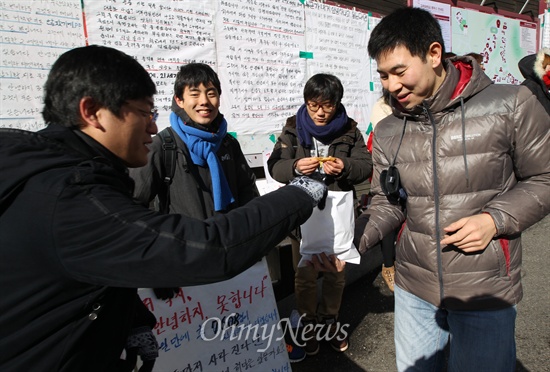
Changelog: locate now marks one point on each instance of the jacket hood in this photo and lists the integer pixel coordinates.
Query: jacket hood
(464, 79)
(531, 66)
(526, 65)
(24, 154)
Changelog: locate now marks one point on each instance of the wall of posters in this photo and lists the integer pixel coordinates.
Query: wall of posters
(264, 51)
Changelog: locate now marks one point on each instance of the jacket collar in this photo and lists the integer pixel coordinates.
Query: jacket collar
(464, 78)
(83, 144)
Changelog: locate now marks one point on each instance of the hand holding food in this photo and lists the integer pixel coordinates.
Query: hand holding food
(306, 166)
(331, 165)
(323, 159)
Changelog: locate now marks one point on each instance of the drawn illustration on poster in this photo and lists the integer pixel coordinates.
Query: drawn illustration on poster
(500, 40)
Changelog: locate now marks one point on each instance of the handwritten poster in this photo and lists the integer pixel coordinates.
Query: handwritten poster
(227, 326)
(259, 46)
(375, 83)
(545, 29)
(337, 37)
(32, 36)
(441, 12)
(263, 51)
(161, 35)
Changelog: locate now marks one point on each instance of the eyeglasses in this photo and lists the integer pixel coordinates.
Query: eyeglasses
(152, 115)
(327, 107)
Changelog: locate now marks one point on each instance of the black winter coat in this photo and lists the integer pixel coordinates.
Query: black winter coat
(191, 188)
(74, 247)
(349, 147)
(533, 78)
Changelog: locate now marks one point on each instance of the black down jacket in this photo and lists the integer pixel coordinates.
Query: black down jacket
(74, 247)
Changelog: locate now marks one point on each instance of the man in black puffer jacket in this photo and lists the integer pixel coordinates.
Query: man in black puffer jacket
(74, 245)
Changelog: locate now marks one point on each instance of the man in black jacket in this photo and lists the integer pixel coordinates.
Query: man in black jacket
(74, 245)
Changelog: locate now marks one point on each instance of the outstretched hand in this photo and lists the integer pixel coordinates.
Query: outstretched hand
(322, 262)
(315, 188)
(470, 234)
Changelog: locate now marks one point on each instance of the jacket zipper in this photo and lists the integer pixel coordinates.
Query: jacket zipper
(436, 201)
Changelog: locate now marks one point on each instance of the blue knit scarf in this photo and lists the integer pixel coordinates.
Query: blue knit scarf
(203, 147)
(306, 128)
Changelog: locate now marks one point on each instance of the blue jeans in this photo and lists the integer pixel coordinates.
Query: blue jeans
(478, 340)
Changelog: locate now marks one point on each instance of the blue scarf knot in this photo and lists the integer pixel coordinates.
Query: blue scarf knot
(203, 147)
(307, 129)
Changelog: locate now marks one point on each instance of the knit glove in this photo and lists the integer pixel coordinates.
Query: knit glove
(316, 189)
(144, 341)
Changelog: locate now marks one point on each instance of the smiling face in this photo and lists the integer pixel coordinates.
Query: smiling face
(127, 135)
(409, 79)
(201, 103)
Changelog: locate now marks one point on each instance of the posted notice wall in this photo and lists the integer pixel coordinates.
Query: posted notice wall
(545, 29)
(264, 51)
(32, 36)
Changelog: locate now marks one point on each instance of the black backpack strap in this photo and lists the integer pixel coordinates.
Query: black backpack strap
(169, 148)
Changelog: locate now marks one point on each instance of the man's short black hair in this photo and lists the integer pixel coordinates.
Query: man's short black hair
(109, 76)
(323, 87)
(193, 75)
(414, 28)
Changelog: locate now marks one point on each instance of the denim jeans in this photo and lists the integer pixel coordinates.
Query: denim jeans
(478, 340)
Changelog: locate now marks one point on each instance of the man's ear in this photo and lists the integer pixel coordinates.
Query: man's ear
(435, 54)
(88, 113)
(179, 101)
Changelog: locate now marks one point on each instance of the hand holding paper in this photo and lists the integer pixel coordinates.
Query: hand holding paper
(322, 262)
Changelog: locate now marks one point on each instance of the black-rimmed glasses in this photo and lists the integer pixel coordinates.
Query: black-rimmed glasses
(327, 107)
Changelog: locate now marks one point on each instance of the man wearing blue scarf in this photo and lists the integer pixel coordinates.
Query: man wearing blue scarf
(212, 174)
(321, 140)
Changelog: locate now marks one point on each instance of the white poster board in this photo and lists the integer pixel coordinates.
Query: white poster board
(337, 38)
(258, 51)
(227, 326)
(33, 35)
(263, 50)
(545, 29)
(441, 12)
(161, 35)
(502, 42)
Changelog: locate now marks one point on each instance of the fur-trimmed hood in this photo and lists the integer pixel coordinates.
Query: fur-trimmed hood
(531, 65)
(536, 79)
(537, 67)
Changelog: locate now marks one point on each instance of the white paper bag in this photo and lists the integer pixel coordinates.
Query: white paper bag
(331, 230)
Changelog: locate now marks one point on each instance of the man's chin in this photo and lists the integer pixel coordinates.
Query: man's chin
(136, 163)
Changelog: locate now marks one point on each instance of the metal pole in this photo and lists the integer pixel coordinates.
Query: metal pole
(523, 7)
